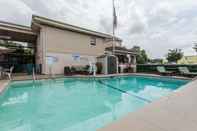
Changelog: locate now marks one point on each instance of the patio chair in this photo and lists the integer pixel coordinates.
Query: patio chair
(185, 71)
(1, 72)
(9, 72)
(163, 71)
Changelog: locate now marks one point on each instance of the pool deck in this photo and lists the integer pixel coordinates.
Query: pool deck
(176, 112)
(3, 84)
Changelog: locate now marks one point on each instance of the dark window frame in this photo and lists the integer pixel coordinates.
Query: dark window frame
(93, 41)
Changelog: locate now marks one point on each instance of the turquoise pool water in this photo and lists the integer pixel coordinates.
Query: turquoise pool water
(77, 104)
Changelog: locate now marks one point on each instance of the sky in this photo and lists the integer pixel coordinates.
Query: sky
(154, 25)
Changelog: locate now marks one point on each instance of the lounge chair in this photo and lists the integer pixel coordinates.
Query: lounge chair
(9, 72)
(80, 70)
(163, 71)
(185, 71)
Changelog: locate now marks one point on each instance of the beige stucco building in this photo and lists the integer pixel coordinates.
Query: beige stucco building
(188, 60)
(59, 44)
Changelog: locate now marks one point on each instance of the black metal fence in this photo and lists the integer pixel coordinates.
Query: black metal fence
(151, 68)
(22, 68)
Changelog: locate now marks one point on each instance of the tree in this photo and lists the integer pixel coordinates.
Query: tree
(142, 57)
(174, 55)
(195, 47)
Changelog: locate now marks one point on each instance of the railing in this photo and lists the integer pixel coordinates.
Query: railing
(92, 65)
(51, 75)
(93, 68)
(33, 74)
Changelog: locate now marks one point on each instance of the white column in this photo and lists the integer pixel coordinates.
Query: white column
(134, 60)
(134, 64)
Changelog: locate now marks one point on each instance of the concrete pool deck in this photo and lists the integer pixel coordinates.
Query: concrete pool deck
(176, 112)
(3, 85)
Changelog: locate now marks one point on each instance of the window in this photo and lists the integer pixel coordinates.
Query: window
(93, 41)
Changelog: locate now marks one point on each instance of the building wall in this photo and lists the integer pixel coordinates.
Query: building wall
(63, 41)
(65, 45)
(67, 60)
(188, 60)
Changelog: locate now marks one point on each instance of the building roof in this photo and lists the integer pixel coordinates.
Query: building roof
(57, 24)
(121, 50)
(15, 26)
(15, 32)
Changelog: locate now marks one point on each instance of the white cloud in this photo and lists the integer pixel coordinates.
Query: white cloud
(154, 25)
(15, 11)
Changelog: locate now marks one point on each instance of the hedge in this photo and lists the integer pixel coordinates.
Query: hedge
(148, 68)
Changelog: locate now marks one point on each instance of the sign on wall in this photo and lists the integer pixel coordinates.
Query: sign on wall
(76, 57)
(51, 60)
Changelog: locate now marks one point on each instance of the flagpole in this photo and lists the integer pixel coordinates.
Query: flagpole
(113, 37)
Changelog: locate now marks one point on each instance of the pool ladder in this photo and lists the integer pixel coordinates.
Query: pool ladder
(34, 74)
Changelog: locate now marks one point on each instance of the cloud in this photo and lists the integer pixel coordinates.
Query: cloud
(136, 28)
(15, 11)
(106, 24)
(154, 25)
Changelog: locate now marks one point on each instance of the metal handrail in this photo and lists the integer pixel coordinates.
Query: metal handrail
(33, 74)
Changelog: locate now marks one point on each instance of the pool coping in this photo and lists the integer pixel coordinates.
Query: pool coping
(39, 77)
(4, 83)
(129, 74)
(173, 112)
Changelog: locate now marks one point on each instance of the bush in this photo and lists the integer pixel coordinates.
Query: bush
(73, 69)
(86, 67)
(169, 67)
(67, 70)
(99, 67)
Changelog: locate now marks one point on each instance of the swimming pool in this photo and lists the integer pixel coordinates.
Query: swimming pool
(71, 104)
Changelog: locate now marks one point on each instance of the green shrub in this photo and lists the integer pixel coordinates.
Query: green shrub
(67, 70)
(73, 69)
